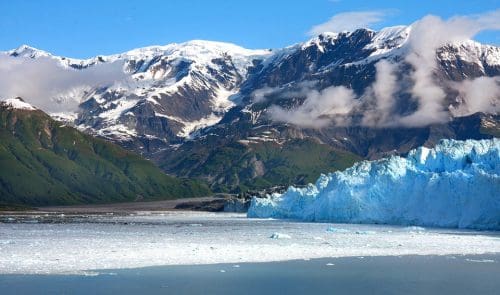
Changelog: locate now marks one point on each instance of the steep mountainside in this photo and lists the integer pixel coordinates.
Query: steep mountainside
(234, 116)
(43, 162)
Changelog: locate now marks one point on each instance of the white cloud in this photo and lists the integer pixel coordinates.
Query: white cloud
(44, 83)
(478, 95)
(427, 35)
(260, 95)
(381, 96)
(319, 109)
(349, 21)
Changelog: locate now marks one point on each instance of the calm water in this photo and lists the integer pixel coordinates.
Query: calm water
(367, 275)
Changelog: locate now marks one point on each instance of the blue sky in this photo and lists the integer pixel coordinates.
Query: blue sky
(86, 28)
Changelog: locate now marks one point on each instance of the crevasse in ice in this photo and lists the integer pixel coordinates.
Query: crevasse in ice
(455, 184)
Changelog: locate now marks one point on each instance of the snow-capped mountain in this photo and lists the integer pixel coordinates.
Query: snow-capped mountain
(169, 91)
(290, 77)
(208, 109)
(173, 91)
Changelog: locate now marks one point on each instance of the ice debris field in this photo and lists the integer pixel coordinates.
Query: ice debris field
(64, 244)
(456, 184)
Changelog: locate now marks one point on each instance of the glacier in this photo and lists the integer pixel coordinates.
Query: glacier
(456, 184)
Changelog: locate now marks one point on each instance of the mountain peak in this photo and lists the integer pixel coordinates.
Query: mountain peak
(28, 51)
(383, 40)
(17, 103)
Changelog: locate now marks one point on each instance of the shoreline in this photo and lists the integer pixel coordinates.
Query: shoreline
(208, 204)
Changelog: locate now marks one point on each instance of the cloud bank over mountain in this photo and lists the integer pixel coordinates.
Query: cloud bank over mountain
(48, 85)
(332, 105)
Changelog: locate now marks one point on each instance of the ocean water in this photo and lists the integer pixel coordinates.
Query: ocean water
(478, 274)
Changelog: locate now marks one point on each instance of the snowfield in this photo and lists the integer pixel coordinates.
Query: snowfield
(66, 244)
(455, 184)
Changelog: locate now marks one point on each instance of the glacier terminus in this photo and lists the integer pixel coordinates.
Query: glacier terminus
(455, 184)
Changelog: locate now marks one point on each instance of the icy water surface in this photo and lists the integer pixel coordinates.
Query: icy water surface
(348, 275)
(85, 244)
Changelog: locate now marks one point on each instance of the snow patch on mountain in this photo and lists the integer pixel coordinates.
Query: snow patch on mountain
(388, 39)
(455, 184)
(471, 52)
(190, 127)
(17, 103)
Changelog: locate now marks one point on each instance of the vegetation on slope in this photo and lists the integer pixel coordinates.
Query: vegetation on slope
(238, 167)
(43, 162)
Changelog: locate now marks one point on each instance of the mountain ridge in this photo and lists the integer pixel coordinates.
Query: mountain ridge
(180, 110)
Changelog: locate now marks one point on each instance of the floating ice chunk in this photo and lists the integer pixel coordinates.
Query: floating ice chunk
(337, 230)
(330, 264)
(415, 229)
(90, 273)
(280, 236)
(222, 270)
(365, 232)
(480, 260)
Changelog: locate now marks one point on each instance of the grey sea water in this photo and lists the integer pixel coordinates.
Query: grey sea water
(476, 274)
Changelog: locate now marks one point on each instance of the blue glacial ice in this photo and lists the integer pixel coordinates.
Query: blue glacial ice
(455, 184)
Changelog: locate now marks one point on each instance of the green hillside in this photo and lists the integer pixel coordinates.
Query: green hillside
(43, 162)
(237, 167)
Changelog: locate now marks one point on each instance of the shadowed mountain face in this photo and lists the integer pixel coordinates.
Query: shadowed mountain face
(244, 119)
(44, 162)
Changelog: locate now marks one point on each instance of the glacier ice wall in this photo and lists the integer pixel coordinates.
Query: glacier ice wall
(455, 184)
